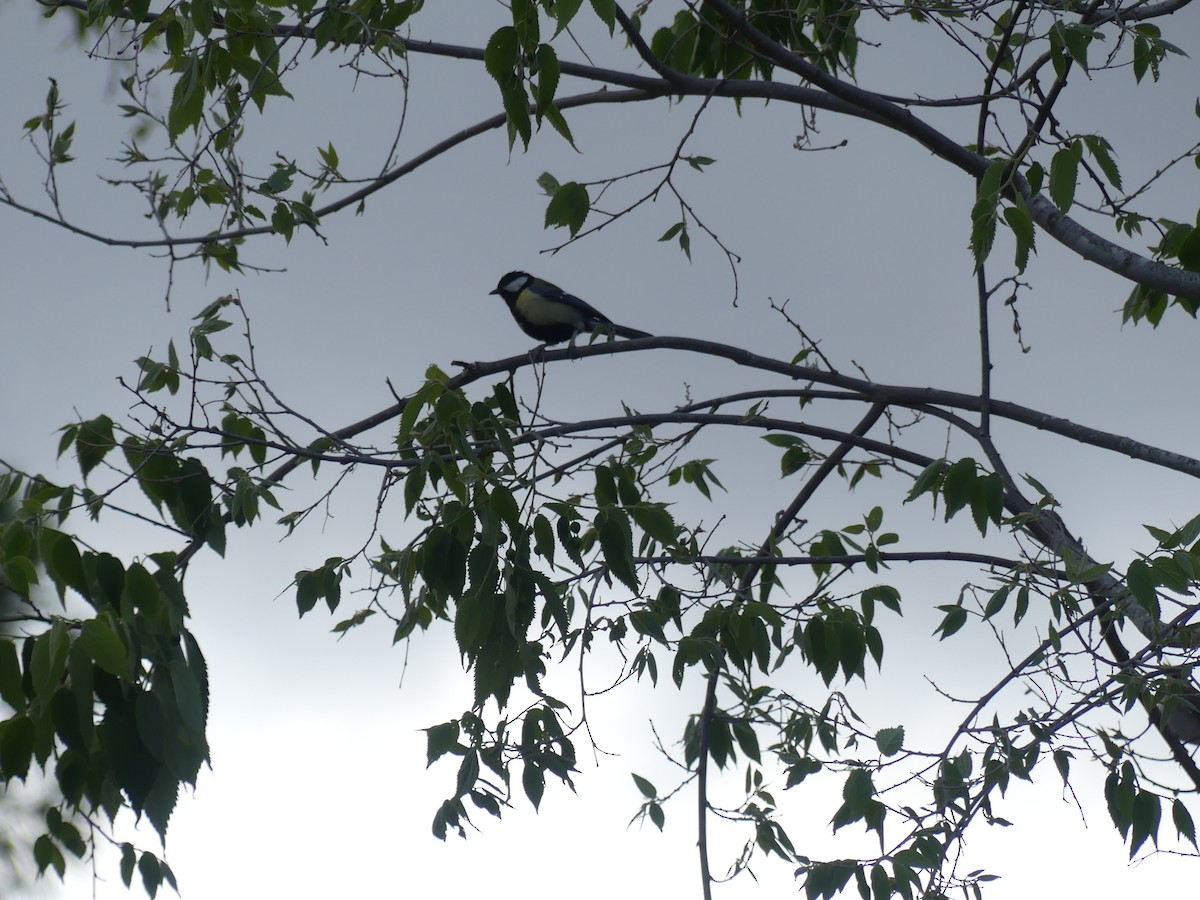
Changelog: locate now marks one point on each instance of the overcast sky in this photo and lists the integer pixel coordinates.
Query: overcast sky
(318, 785)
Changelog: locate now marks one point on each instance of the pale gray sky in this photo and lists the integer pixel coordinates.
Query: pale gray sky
(318, 787)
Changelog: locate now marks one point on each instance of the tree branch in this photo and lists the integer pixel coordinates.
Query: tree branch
(1063, 229)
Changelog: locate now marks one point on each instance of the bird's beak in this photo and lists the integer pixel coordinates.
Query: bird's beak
(496, 291)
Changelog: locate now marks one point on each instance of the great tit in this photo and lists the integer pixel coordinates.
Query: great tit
(549, 314)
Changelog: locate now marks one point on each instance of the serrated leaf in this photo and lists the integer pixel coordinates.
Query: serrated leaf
(128, 861)
(563, 12)
(105, 646)
(554, 114)
(1021, 224)
(957, 485)
(1101, 150)
(93, 441)
(1064, 175)
(533, 779)
(187, 100)
(1147, 811)
(440, 739)
(516, 107)
(890, 741)
(501, 54)
(1183, 821)
(983, 213)
(1188, 251)
(10, 676)
(548, 75)
(616, 542)
(1142, 584)
(569, 207)
(607, 11)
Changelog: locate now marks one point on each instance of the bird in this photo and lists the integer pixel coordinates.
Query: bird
(549, 314)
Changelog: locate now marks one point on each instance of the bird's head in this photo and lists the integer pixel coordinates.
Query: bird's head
(512, 284)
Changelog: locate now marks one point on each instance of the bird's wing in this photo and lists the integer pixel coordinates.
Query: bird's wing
(591, 315)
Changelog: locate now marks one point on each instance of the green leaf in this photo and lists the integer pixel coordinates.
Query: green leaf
(820, 647)
(48, 661)
(794, 459)
(533, 779)
(501, 54)
(1062, 761)
(468, 773)
(1188, 251)
(282, 221)
(21, 574)
(105, 646)
(279, 180)
(648, 790)
(1147, 811)
(46, 854)
(440, 739)
(655, 521)
(568, 207)
(556, 118)
(1035, 175)
(655, 812)
(187, 100)
(128, 861)
(1143, 585)
(1075, 38)
(983, 213)
(202, 16)
(543, 538)
(17, 738)
(747, 739)
(307, 587)
(958, 485)
(548, 74)
(859, 803)
(353, 622)
(1102, 151)
(1183, 821)
(1064, 175)
(890, 741)
(1020, 222)
(93, 440)
(929, 479)
(996, 602)
(563, 12)
(607, 11)
(10, 675)
(516, 107)
(669, 234)
(504, 505)
(955, 619)
(525, 21)
(151, 872)
(616, 542)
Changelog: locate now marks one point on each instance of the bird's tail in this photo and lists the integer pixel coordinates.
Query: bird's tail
(622, 331)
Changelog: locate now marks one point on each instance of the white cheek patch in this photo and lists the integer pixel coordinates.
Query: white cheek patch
(517, 283)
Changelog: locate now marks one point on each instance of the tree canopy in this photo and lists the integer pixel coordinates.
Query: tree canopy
(593, 549)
